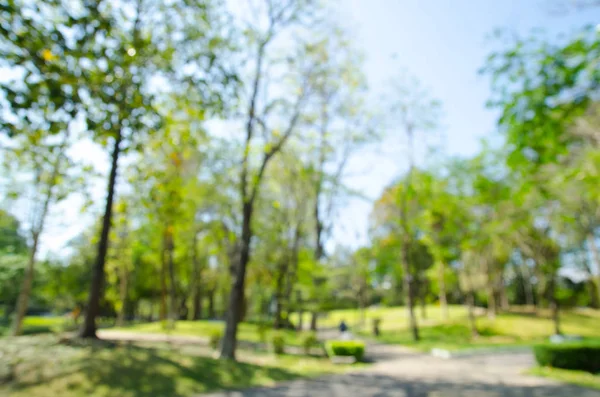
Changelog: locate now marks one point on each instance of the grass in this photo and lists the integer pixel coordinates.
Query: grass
(44, 367)
(580, 378)
(392, 318)
(246, 332)
(38, 325)
(517, 328)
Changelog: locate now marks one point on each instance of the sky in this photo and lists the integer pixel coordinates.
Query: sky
(441, 42)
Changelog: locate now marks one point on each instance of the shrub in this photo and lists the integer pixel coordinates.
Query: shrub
(215, 339)
(278, 342)
(308, 342)
(349, 348)
(262, 328)
(584, 355)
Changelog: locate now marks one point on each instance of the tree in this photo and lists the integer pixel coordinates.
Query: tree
(51, 176)
(415, 113)
(276, 118)
(124, 110)
(13, 260)
(542, 90)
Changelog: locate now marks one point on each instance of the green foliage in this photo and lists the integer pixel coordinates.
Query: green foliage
(354, 349)
(278, 343)
(11, 240)
(542, 89)
(309, 341)
(215, 338)
(262, 330)
(583, 355)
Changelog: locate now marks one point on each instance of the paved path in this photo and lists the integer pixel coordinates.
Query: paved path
(496, 375)
(198, 341)
(400, 372)
(149, 337)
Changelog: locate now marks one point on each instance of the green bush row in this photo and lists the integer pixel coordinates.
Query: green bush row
(354, 349)
(583, 356)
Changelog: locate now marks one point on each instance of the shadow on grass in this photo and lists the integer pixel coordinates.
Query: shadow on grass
(144, 372)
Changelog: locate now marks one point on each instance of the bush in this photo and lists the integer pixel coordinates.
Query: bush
(583, 356)
(262, 328)
(350, 348)
(278, 342)
(215, 339)
(308, 342)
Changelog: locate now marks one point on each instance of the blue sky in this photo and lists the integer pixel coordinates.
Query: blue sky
(443, 43)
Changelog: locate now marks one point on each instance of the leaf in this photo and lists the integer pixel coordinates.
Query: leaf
(48, 55)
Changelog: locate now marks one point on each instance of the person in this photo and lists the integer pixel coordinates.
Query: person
(343, 327)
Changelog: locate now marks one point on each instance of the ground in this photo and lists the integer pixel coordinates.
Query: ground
(39, 366)
(143, 360)
(489, 375)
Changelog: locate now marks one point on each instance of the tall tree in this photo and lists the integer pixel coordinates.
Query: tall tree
(42, 162)
(274, 117)
(413, 113)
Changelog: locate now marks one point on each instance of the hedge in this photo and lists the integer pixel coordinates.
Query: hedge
(278, 342)
(583, 356)
(354, 349)
(214, 339)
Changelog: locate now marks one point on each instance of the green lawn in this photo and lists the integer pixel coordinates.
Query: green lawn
(39, 325)
(518, 328)
(45, 367)
(392, 318)
(246, 332)
(580, 378)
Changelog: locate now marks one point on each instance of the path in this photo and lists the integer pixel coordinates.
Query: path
(496, 375)
(400, 372)
(198, 341)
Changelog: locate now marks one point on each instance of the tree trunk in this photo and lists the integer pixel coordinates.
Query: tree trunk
(197, 305)
(313, 320)
(278, 321)
(592, 290)
(291, 275)
(471, 309)
(442, 294)
(491, 304)
(554, 307)
(163, 286)
(211, 304)
(423, 298)
(173, 309)
(504, 303)
(236, 294)
(183, 308)
(23, 300)
(123, 286)
(596, 259)
(528, 289)
(409, 293)
(93, 308)
(196, 283)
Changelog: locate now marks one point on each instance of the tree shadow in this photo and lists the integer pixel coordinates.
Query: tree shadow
(386, 386)
(144, 372)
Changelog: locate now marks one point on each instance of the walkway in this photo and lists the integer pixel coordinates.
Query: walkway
(400, 372)
(496, 375)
